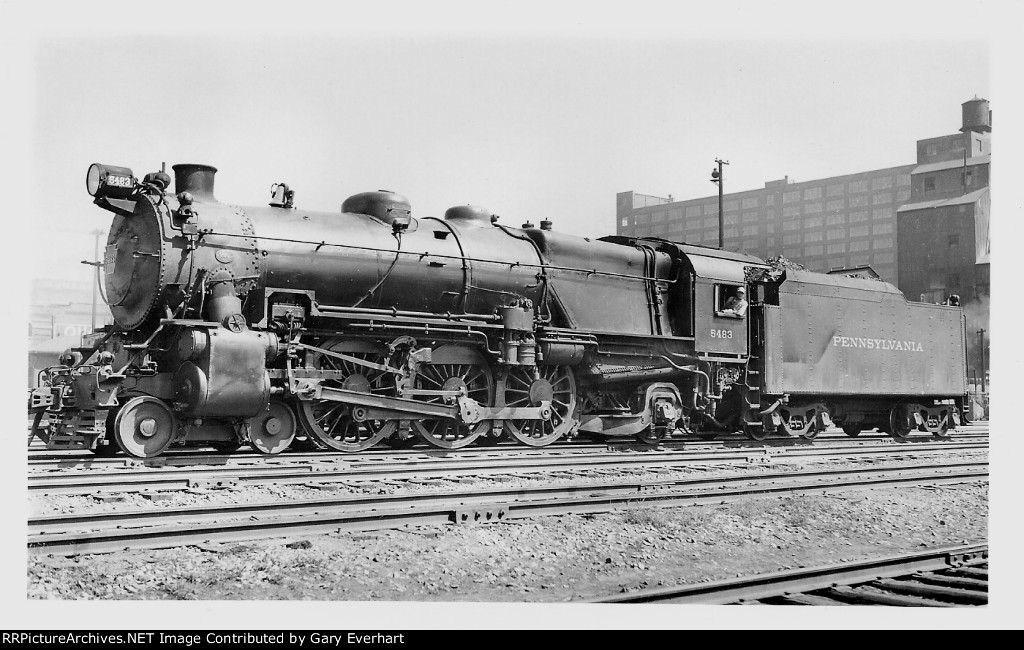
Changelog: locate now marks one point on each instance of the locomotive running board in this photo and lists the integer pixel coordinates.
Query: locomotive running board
(376, 407)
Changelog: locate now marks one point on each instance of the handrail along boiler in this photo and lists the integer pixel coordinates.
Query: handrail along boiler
(276, 326)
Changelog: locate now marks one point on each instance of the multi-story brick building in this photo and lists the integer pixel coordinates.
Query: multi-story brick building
(854, 220)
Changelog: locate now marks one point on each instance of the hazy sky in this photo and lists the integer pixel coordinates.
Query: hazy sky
(531, 125)
(531, 109)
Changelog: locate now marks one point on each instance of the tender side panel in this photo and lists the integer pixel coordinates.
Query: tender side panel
(856, 338)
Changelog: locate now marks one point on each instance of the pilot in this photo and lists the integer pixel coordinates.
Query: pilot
(737, 305)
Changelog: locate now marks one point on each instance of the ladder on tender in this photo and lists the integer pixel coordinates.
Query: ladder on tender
(753, 371)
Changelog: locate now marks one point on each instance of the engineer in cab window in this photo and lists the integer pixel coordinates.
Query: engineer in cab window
(736, 306)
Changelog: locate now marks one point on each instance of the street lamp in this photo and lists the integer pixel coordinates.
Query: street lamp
(717, 179)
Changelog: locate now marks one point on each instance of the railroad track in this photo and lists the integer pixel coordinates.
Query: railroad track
(942, 577)
(165, 527)
(135, 477)
(41, 458)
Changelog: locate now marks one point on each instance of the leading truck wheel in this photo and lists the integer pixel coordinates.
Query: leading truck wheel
(144, 427)
(273, 430)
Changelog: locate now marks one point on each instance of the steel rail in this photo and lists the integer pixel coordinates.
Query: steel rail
(799, 581)
(48, 459)
(341, 470)
(113, 531)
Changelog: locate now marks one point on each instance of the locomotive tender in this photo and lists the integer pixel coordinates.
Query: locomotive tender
(277, 326)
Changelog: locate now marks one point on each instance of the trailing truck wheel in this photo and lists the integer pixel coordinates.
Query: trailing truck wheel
(852, 430)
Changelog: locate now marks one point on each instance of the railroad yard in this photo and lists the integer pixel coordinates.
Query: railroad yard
(577, 522)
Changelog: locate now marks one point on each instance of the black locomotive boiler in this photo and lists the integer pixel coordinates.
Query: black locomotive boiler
(277, 326)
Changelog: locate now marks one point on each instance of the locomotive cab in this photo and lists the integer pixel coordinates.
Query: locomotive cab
(715, 279)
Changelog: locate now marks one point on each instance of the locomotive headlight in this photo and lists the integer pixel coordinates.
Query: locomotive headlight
(105, 181)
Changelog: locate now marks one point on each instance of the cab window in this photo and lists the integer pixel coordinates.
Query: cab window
(724, 295)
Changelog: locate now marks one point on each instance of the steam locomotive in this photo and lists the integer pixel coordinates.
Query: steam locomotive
(276, 326)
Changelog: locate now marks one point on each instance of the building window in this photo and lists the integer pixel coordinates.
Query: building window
(793, 224)
(750, 203)
(790, 197)
(812, 208)
(882, 242)
(625, 221)
(835, 205)
(813, 222)
(731, 219)
(749, 244)
(658, 230)
(708, 223)
(658, 217)
(881, 228)
(929, 183)
(859, 246)
(812, 236)
(750, 230)
(856, 217)
(770, 228)
(858, 231)
(790, 239)
(858, 186)
(731, 205)
(749, 217)
(836, 233)
(676, 214)
(903, 180)
(881, 183)
(883, 258)
(643, 218)
(791, 253)
(859, 200)
(675, 226)
(710, 208)
(812, 193)
(693, 211)
(834, 190)
(883, 197)
(731, 233)
(835, 219)
(882, 213)
(814, 250)
(833, 249)
(769, 200)
(968, 178)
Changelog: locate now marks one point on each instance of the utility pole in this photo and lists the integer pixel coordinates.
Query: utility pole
(95, 286)
(717, 179)
(981, 351)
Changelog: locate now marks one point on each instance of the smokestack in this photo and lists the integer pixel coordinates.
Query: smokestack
(195, 179)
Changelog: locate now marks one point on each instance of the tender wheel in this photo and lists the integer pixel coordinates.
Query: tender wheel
(273, 430)
(556, 384)
(144, 427)
(802, 423)
(330, 423)
(901, 422)
(852, 430)
(470, 371)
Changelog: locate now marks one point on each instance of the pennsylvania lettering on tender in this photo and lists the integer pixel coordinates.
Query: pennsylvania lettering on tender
(876, 344)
